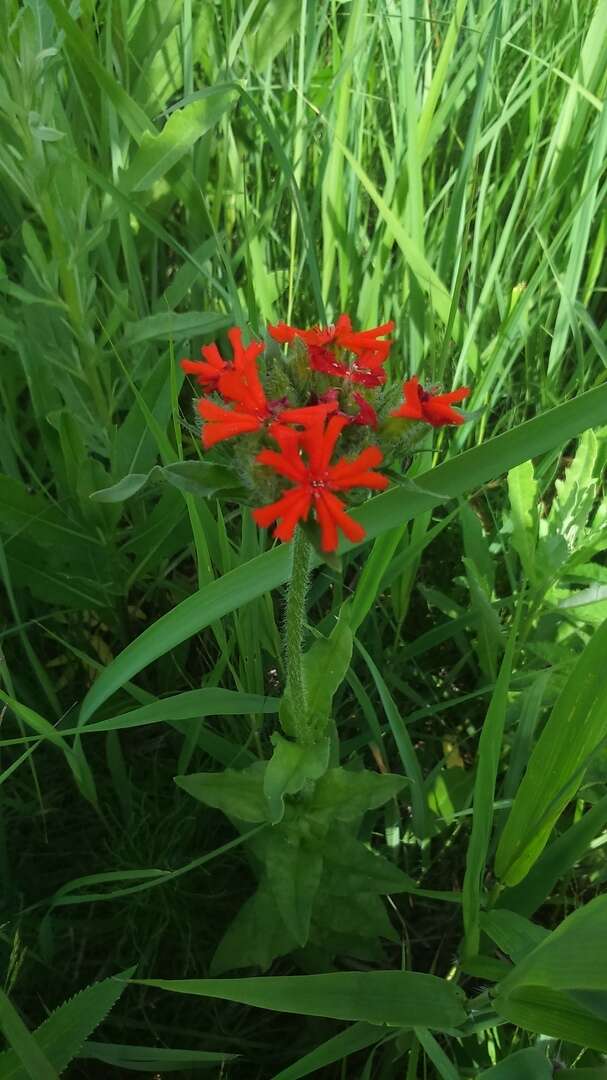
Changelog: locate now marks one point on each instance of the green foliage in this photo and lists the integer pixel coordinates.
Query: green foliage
(398, 998)
(171, 169)
(575, 731)
(48, 1051)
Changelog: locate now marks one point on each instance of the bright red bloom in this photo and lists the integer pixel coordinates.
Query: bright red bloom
(365, 369)
(316, 481)
(222, 423)
(435, 409)
(340, 334)
(366, 414)
(211, 371)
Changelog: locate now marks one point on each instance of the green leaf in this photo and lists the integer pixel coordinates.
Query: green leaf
(278, 22)
(36, 517)
(341, 926)
(26, 1059)
(464, 473)
(531, 1064)
(572, 957)
(256, 937)
(174, 326)
(293, 870)
(352, 868)
(513, 934)
(325, 666)
(343, 795)
(356, 1037)
(522, 490)
(405, 747)
(75, 758)
(575, 729)
(60, 1038)
(158, 153)
(554, 1013)
(151, 1059)
(290, 768)
(124, 489)
(199, 478)
(489, 751)
(554, 862)
(237, 794)
(398, 998)
(191, 705)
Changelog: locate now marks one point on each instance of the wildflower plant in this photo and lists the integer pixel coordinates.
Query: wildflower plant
(312, 424)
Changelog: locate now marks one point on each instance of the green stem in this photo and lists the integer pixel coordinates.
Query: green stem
(294, 632)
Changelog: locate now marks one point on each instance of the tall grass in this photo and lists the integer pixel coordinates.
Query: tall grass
(172, 168)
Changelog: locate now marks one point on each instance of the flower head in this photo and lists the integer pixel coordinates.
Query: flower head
(424, 405)
(211, 371)
(304, 459)
(326, 347)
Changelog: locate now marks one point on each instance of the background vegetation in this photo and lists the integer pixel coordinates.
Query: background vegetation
(169, 168)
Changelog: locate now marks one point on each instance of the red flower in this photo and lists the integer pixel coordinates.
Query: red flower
(316, 481)
(432, 408)
(211, 371)
(365, 369)
(366, 414)
(224, 423)
(340, 334)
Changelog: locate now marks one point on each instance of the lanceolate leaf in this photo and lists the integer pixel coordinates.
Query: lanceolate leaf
(398, 998)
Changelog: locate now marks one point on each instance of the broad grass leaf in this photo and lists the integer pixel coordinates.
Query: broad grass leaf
(278, 22)
(237, 794)
(552, 1012)
(158, 153)
(575, 729)
(191, 705)
(514, 935)
(572, 957)
(530, 1064)
(60, 1038)
(397, 998)
(356, 1037)
(555, 862)
(174, 326)
(464, 473)
(151, 1059)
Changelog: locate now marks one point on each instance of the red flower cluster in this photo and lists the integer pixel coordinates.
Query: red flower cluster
(307, 433)
(327, 345)
(304, 459)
